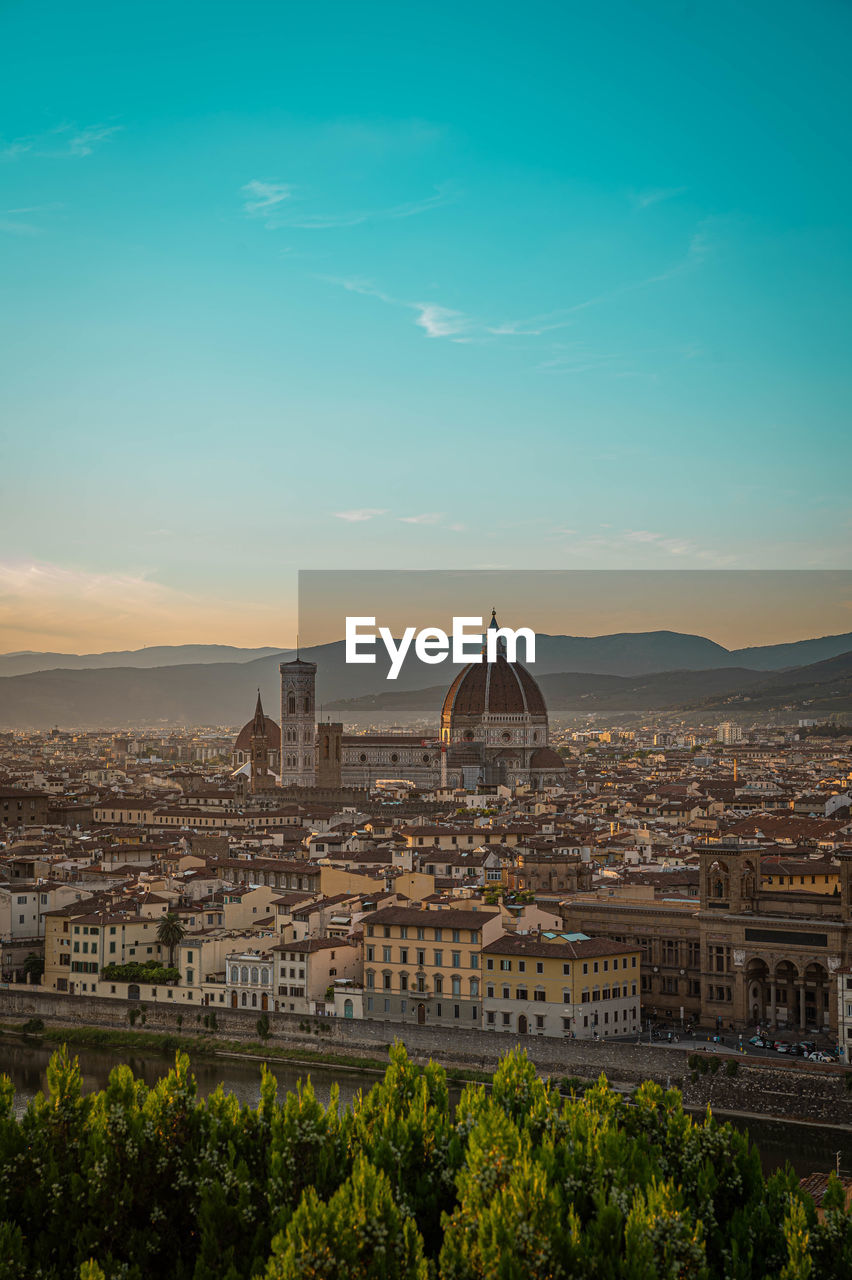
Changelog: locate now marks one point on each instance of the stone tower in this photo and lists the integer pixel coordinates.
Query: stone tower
(329, 754)
(261, 778)
(298, 724)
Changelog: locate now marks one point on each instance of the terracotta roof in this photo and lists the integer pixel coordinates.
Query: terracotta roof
(449, 918)
(273, 735)
(533, 945)
(496, 688)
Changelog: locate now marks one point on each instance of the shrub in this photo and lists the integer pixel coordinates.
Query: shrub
(515, 1183)
(152, 973)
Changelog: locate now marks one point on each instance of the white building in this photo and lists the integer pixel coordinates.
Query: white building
(729, 734)
(248, 978)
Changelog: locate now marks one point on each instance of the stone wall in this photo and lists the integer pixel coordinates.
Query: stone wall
(790, 1090)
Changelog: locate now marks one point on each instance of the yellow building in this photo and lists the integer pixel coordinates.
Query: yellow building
(802, 875)
(79, 942)
(425, 965)
(558, 985)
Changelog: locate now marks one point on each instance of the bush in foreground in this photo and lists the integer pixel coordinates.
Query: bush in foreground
(515, 1183)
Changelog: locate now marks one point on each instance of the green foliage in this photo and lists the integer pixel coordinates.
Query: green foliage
(170, 933)
(32, 1026)
(361, 1233)
(518, 1182)
(153, 972)
(262, 1025)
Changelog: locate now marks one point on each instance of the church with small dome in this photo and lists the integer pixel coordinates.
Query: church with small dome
(493, 732)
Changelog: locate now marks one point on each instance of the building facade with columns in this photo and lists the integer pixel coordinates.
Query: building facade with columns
(744, 955)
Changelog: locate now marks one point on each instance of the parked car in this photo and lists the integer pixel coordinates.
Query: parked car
(758, 1042)
(780, 1047)
(820, 1057)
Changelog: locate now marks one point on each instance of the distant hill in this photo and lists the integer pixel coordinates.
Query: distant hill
(566, 693)
(164, 655)
(217, 692)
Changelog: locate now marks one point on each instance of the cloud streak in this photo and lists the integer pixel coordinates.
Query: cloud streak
(361, 514)
(64, 142)
(655, 195)
(45, 605)
(266, 196)
(260, 197)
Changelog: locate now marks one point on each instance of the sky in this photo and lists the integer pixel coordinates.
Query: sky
(554, 286)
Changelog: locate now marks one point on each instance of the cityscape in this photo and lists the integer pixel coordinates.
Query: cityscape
(711, 863)
(425, 641)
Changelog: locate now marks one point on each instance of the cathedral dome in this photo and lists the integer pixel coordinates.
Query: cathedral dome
(273, 736)
(498, 688)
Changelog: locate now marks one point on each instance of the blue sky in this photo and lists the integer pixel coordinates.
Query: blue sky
(427, 285)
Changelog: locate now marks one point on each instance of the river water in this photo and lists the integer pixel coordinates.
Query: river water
(809, 1148)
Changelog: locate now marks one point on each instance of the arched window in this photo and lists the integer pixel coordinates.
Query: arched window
(254, 975)
(245, 999)
(235, 974)
(254, 999)
(244, 974)
(264, 977)
(307, 706)
(291, 704)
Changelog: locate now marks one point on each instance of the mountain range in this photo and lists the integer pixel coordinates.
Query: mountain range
(624, 673)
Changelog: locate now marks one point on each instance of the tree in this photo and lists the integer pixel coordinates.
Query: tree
(170, 932)
(518, 1183)
(34, 966)
(361, 1234)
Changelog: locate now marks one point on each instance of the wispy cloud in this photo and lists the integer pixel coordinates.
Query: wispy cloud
(11, 224)
(438, 322)
(360, 514)
(655, 195)
(435, 320)
(640, 548)
(261, 196)
(356, 217)
(427, 517)
(65, 141)
(265, 196)
(46, 605)
(11, 227)
(83, 142)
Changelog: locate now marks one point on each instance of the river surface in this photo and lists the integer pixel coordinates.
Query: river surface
(809, 1148)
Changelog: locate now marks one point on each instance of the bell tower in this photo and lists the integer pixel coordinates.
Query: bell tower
(261, 778)
(329, 754)
(298, 723)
